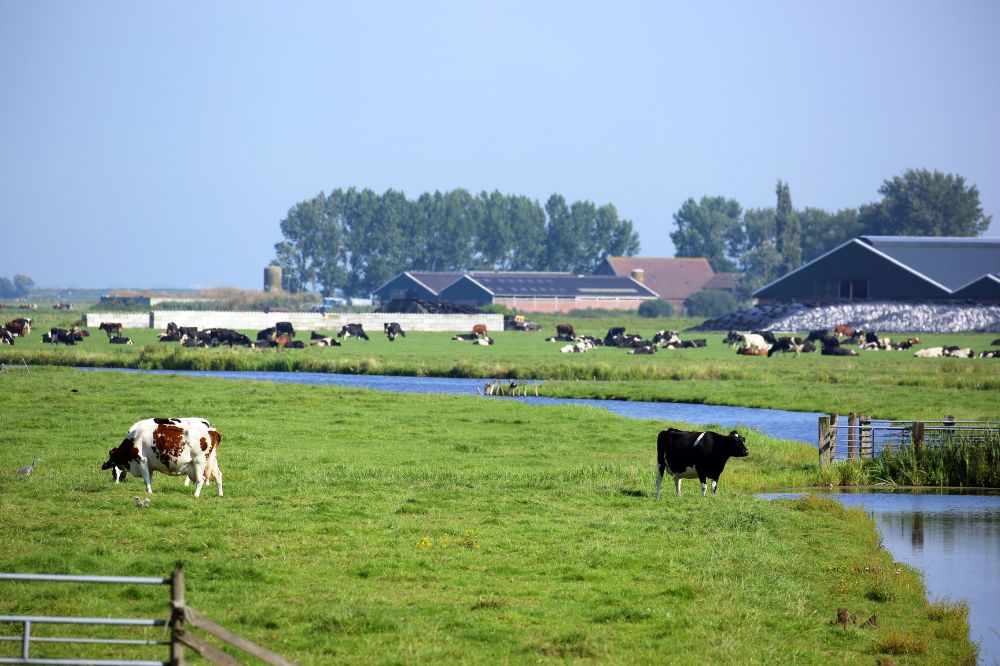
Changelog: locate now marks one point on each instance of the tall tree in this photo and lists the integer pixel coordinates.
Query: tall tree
(822, 231)
(708, 228)
(925, 203)
(6, 288)
(22, 285)
(560, 235)
(759, 261)
(788, 231)
(297, 253)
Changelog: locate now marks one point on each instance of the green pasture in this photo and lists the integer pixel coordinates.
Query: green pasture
(360, 527)
(883, 384)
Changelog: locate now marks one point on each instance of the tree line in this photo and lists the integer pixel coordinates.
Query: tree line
(16, 288)
(762, 244)
(357, 240)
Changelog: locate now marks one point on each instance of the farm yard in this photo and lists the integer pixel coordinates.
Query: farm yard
(364, 528)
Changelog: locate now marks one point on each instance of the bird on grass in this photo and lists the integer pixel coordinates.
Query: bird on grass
(140, 502)
(28, 469)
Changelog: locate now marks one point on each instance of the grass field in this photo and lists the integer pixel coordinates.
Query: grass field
(882, 384)
(359, 527)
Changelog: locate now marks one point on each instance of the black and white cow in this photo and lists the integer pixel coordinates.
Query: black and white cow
(686, 455)
(355, 330)
(392, 329)
(787, 344)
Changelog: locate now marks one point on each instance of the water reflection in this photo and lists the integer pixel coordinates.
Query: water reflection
(953, 538)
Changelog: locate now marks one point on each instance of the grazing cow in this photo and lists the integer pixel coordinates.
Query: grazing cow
(479, 330)
(111, 328)
(817, 335)
(118, 340)
(19, 327)
(352, 330)
(686, 455)
(767, 335)
(392, 329)
(285, 328)
(747, 339)
(787, 344)
(187, 446)
(565, 333)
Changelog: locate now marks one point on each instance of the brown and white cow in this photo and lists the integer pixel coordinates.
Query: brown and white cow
(111, 328)
(176, 446)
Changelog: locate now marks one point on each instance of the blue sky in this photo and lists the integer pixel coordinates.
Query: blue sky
(153, 144)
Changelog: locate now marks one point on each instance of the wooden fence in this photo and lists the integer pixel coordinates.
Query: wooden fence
(182, 619)
(859, 436)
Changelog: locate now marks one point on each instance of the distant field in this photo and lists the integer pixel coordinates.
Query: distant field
(359, 527)
(880, 383)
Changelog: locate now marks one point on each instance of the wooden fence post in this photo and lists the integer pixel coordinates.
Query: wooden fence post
(823, 440)
(852, 436)
(917, 435)
(866, 436)
(177, 617)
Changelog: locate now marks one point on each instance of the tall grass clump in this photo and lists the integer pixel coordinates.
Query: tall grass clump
(958, 461)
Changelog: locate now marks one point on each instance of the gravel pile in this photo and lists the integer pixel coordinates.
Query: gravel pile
(881, 317)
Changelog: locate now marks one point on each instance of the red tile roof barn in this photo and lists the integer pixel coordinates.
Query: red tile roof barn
(673, 279)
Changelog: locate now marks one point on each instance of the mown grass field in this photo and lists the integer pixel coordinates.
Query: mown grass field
(883, 384)
(359, 527)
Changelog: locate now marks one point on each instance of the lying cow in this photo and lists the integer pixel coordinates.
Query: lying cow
(184, 446)
(686, 455)
(392, 329)
(355, 330)
(119, 340)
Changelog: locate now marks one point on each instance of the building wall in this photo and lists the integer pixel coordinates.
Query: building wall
(306, 321)
(820, 280)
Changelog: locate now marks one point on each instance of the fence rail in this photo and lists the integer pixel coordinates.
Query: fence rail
(181, 618)
(861, 436)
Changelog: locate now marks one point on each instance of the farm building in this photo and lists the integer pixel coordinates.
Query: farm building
(547, 292)
(672, 280)
(895, 268)
(410, 285)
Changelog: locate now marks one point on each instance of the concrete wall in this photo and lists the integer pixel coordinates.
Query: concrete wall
(129, 320)
(305, 321)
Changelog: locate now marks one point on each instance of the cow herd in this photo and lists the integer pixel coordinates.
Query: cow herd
(617, 336)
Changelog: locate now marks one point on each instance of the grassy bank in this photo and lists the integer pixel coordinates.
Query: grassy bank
(883, 384)
(359, 527)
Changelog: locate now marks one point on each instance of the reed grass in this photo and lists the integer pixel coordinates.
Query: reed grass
(960, 461)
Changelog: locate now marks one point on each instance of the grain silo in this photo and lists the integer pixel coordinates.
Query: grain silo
(272, 279)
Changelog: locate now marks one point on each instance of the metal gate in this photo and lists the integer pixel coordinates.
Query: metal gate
(26, 621)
